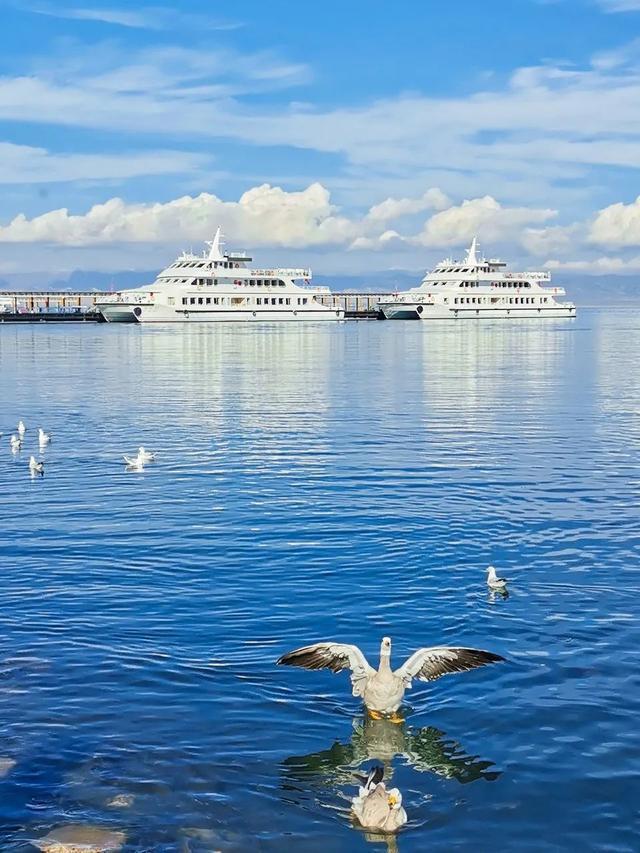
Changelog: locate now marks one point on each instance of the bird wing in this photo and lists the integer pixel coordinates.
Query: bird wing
(431, 663)
(333, 656)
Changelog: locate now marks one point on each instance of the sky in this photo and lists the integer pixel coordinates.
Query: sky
(350, 136)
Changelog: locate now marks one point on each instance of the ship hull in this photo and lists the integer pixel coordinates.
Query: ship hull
(123, 313)
(422, 311)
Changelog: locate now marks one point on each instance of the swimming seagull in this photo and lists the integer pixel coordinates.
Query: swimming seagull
(16, 443)
(21, 429)
(377, 808)
(494, 582)
(43, 437)
(36, 467)
(145, 455)
(383, 689)
(135, 463)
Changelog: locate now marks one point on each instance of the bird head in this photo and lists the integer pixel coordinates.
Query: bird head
(394, 798)
(491, 571)
(385, 646)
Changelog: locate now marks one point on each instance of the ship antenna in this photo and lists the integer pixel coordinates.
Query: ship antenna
(214, 246)
(472, 259)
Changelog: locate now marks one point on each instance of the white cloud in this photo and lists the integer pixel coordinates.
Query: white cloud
(308, 221)
(553, 239)
(598, 266)
(617, 225)
(393, 208)
(22, 164)
(484, 217)
(388, 239)
(143, 17)
(264, 215)
(619, 5)
(540, 129)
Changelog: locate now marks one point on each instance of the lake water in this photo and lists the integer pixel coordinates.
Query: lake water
(321, 482)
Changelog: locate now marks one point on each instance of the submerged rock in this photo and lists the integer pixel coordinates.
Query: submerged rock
(81, 839)
(121, 801)
(6, 764)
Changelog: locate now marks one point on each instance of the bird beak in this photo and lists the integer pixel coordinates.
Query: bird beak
(392, 800)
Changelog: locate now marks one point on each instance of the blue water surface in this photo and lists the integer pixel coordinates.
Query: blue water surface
(321, 482)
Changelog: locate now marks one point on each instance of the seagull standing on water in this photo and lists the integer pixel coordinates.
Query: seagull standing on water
(43, 437)
(21, 429)
(494, 582)
(36, 467)
(144, 455)
(377, 808)
(382, 690)
(16, 443)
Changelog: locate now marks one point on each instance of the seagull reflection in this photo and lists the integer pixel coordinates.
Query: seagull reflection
(498, 595)
(427, 750)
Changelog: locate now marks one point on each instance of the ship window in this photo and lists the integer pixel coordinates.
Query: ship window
(193, 300)
(281, 284)
(208, 300)
(304, 300)
(184, 300)
(200, 300)
(288, 301)
(274, 301)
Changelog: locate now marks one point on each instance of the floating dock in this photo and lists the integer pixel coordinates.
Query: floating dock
(59, 307)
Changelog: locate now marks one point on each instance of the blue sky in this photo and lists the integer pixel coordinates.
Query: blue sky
(356, 135)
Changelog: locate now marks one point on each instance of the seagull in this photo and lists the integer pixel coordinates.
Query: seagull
(16, 443)
(36, 467)
(383, 689)
(377, 808)
(494, 582)
(21, 429)
(145, 455)
(134, 463)
(43, 437)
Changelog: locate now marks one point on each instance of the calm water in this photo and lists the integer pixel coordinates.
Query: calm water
(321, 482)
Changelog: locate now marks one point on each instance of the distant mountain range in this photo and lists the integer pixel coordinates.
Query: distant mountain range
(583, 289)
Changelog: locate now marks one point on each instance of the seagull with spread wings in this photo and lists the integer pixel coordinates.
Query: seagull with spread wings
(382, 690)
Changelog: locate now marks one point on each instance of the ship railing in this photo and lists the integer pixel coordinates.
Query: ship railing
(531, 276)
(288, 273)
(120, 298)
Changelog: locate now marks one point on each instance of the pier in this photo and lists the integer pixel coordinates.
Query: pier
(62, 306)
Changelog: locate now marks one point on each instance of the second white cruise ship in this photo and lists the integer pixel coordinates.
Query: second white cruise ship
(218, 286)
(477, 288)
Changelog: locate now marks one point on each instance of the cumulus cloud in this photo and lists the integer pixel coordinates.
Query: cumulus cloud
(269, 215)
(385, 240)
(617, 225)
(264, 215)
(480, 216)
(554, 238)
(394, 208)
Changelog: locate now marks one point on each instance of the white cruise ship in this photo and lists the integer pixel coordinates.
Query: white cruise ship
(218, 286)
(477, 289)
